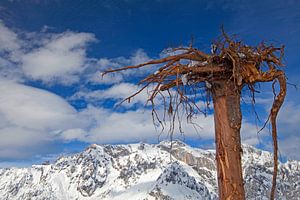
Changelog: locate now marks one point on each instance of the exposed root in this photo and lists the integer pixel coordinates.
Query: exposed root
(188, 76)
(278, 101)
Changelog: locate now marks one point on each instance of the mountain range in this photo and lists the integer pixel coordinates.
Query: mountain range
(145, 172)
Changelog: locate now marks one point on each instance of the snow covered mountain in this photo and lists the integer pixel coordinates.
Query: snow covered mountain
(144, 172)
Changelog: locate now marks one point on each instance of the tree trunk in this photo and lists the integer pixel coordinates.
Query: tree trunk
(228, 117)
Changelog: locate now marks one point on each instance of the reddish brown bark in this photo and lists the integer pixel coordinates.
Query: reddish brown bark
(228, 118)
(224, 72)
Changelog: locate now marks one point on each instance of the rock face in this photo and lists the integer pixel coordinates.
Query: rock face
(144, 172)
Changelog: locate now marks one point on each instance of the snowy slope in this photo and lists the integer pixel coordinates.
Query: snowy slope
(144, 172)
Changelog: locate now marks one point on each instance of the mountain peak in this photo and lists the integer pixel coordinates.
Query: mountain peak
(174, 143)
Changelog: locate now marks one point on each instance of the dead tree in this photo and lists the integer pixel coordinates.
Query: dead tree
(186, 74)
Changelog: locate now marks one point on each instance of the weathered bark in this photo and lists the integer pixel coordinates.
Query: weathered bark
(227, 115)
(232, 64)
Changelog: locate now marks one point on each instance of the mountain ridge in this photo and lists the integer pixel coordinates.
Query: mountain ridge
(144, 172)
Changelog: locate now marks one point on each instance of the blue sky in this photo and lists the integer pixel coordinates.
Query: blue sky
(53, 100)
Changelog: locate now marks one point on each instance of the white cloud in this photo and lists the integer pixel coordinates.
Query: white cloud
(107, 126)
(10, 51)
(288, 118)
(120, 127)
(140, 56)
(103, 64)
(288, 129)
(17, 136)
(73, 134)
(8, 39)
(30, 116)
(250, 133)
(59, 59)
(116, 92)
(289, 147)
(54, 58)
(34, 108)
(108, 79)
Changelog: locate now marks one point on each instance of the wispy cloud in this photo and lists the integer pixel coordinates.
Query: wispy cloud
(59, 60)
(103, 64)
(9, 39)
(49, 57)
(117, 92)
